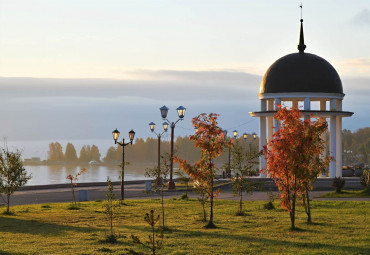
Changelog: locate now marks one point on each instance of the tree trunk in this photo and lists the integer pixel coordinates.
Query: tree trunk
(241, 203)
(73, 194)
(153, 245)
(211, 214)
(111, 220)
(307, 207)
(162, 209)
(8, 203)
(204, 209)
(292, 213)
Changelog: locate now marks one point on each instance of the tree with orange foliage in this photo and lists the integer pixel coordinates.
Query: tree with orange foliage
(209, 137)
(73, 179)
(294, 158)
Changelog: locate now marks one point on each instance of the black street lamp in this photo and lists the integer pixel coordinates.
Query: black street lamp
(131, 136)
(228, 171)
(181, 113)
(245, 136)
(165, 127)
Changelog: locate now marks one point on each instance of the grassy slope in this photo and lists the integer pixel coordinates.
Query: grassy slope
(339, 228)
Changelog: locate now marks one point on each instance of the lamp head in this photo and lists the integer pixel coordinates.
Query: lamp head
(152, 126)
(115, 134)
(254, 136)
(181, 111)
(245, 136)
(131, 135)
(235, 133)
(164, 111)
(165, 126)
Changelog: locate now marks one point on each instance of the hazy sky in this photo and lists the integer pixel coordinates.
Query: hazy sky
(78, 69)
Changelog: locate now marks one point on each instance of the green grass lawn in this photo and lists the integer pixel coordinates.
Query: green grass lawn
(339, 227)
(347, 193)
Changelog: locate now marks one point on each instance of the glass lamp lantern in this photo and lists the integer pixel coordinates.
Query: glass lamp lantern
(152, 126)
(181, 111)
(254, 136)
(235, 133)
(115, 134)
(164, 111)
(245, 136)
(131, 135)
(165, 126)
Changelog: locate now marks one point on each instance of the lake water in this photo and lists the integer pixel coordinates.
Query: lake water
(42, 175)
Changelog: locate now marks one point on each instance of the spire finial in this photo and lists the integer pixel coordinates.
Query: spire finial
(301, 45)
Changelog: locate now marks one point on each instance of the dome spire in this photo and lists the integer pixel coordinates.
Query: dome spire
(301, 45)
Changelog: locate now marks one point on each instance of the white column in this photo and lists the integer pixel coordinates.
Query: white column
(270, 122)
(270, 119)
(262, 143)
(307, 104)
(322, 105)
(295, 104)
(323, 137)
(276, 122)
(339, 140)
(339, 147)
(333, 139)
(307, 107)
(323, 155)
(262, 134)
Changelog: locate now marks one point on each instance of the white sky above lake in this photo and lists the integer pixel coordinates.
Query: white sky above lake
(77, 69)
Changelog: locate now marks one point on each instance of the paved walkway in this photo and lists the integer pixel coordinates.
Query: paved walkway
(133, 191)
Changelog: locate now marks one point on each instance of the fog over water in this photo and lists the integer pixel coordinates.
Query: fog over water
(42, 175)
(35, 112)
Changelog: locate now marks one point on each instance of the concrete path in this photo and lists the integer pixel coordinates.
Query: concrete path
(133, 191)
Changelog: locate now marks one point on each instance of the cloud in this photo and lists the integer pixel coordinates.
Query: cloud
(354, 67)
(70, 109)
(41, 108)
(160, 85)
(362, 18)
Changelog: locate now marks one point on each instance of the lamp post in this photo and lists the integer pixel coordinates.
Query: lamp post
(235, 134)
(348, 155)
(229, 167)
(181, 113)
(159, 135)
(131, 136)
(245, 136)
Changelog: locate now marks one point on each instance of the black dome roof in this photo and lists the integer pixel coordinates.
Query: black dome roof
(301, 72)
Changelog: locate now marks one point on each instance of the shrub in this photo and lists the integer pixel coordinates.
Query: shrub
(111, 238)
(338, 184)
(184, 196)
(73, 206)
(12, 175)
(270, 204)
(153, 244)
(358, 172)
(110, 207)
(365, 179)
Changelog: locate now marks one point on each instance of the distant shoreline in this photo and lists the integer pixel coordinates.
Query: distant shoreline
(62, 163)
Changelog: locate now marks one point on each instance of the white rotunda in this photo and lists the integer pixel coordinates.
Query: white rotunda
(303, 80)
